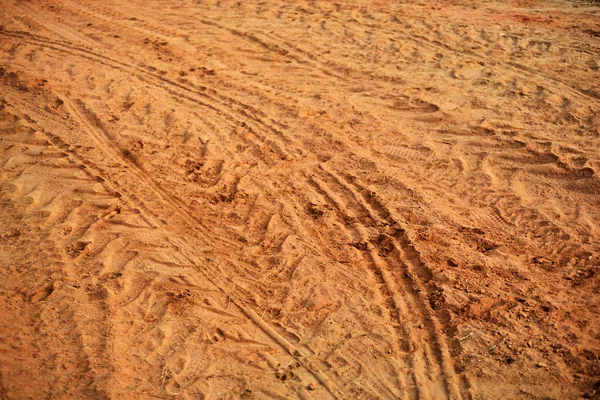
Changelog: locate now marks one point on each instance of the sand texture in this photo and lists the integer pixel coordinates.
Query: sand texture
(299, 199)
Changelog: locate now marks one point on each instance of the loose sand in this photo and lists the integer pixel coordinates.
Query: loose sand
(299, 199)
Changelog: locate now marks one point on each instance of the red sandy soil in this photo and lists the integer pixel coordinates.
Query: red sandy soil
(299, 199)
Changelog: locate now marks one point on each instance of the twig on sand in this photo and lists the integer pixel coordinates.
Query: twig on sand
(469, 336)
(259, 321)
(491, 349)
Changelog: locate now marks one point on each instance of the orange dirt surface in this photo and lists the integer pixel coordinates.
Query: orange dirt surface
(299, 199)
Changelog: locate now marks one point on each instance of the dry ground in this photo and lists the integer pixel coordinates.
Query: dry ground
(299, 199)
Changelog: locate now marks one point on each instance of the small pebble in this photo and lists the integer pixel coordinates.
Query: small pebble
(312, 386)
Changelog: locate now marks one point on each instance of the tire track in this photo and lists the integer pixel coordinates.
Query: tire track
(62, 31)
(237, 299)
(281, 48)
(246, 109)
(172, 87)
(106, 141)
(369, 214)
(421, 40)
(389, 293)
(414, 308)
(416, 277)
(248, 112)
(180, 245)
